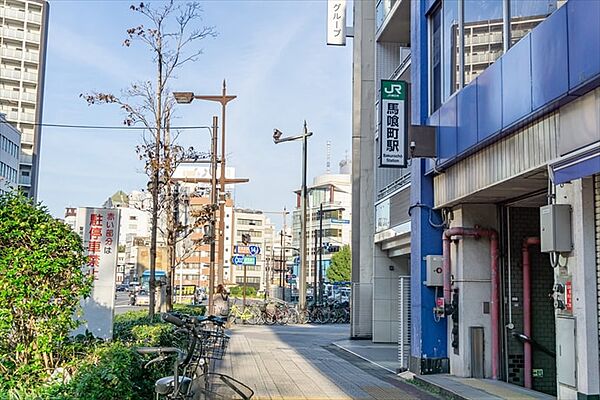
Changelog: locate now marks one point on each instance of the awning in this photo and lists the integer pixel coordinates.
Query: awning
(576, 165)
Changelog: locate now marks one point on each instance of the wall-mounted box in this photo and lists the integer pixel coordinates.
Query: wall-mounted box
(434, 271)
(555, 228)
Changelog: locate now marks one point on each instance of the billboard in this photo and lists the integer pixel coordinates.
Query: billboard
(99, 229)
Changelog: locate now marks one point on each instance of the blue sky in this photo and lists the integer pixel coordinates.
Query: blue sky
(274, 57)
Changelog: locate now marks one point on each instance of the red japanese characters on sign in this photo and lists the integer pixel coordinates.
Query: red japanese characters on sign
(568, 296)
(94, 244)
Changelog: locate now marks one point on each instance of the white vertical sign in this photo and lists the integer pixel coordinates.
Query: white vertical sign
(336, 22)
(99, 228)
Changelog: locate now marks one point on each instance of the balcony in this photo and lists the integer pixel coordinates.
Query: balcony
(27, 139)
(13, 34)
(33, 37)
(34, 17)
(26, 159)
(28, 97)
(395, 24)
(10, 94)
(10, 74)
(30, 76)
(25, 180)
(28, 117)
(12, 14)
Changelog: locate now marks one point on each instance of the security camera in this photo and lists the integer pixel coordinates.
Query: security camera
(412, 146)
(277, 135)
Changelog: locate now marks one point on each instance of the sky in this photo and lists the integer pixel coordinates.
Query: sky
(274, 57)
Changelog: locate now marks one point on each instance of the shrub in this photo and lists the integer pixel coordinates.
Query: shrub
(41, 284)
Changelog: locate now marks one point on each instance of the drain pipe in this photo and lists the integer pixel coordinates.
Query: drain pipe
(530, 241)
(492, 235)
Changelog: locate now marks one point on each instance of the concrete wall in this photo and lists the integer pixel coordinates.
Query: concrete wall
(580, 266)
(471, 270)
(385, 295)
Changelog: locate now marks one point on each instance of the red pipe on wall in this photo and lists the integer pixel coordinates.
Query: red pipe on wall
(530, 241)
(492, 235)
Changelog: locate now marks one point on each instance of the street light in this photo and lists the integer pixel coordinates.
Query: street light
(187, 98)
(277, 138)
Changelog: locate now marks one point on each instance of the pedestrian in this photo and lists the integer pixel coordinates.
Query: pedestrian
(221, 302)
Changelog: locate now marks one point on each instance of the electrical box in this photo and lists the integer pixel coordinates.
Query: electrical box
(555, 228)
(434, 271)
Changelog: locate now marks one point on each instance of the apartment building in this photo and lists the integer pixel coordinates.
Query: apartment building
(23, 36)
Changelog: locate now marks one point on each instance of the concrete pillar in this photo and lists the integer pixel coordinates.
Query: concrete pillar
(363, 150)
(471, 272)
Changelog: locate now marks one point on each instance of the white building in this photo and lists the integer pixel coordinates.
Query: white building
(332, 192)
(261, 231)
(10, 140)
(22, 64)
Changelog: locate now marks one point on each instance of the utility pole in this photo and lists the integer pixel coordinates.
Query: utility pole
(214, 200)
(321, 253)
(315, 269)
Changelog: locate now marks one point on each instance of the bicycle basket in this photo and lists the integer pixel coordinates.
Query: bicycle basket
(213, 343)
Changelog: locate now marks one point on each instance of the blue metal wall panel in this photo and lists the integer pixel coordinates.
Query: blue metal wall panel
(446, 140)
(516, 82)
(584, 55)
(489, 101)
(549, 59)
(466, 112)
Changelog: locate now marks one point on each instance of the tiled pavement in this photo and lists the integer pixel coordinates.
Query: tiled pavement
(300, 362)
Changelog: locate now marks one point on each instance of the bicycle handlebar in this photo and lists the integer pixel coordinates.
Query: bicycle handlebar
(172, 319)
(159, 350)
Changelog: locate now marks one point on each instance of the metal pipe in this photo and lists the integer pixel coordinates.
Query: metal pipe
(321, 251)
(492, 235)
(530, 241)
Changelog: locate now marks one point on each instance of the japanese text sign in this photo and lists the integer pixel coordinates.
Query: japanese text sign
(99, 228)
(393, 126)
(336, 22)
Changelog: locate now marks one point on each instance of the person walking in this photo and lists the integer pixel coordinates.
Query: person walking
(221, 300)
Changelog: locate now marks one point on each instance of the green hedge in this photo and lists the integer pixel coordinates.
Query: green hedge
(109, 370)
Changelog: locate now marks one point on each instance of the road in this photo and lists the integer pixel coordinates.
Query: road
(122, 304)
(300, 362)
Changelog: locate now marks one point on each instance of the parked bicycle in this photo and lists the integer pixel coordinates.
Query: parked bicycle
(193, 376)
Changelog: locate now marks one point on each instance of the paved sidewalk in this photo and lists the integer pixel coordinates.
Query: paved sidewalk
(300, 362)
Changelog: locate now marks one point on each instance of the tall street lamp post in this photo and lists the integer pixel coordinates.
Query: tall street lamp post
(277, 138)
(186, 98)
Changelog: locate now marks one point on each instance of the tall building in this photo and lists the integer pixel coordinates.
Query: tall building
(23, 39)
(517, 129)
(261, 232)
(333, 194)
(10, 140)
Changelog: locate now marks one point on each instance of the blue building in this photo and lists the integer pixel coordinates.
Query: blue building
(512, 91)
(10, 141)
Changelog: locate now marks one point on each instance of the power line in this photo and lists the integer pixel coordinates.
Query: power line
(107, 127)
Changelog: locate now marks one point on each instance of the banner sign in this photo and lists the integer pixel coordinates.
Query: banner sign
(100, 236)
(336, 22)
(340, 221)
(393, 124)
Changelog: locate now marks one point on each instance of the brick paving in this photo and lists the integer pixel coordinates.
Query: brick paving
(300, 362)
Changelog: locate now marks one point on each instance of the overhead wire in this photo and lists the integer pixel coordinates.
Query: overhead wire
(107, 127)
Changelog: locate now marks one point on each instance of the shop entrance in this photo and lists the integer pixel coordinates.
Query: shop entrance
(520, 229)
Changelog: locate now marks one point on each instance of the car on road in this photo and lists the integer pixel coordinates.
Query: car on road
(142, 298)
(122, 287)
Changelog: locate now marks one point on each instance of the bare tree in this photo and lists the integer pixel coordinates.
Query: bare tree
(171, 34)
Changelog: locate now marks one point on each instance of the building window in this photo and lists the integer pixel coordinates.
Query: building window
(527, 14)
(435, 76)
